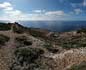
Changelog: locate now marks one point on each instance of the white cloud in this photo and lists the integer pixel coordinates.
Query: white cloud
(84, 3)
(5, 5)
(75, 5)
(9, 13)
(77, 11)
(9, 8)
(12, 14)
(59, 13)
(39, 11)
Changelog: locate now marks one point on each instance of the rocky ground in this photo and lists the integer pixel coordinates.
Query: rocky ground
(49, 51)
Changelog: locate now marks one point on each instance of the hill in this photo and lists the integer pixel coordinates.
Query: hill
(23, 48)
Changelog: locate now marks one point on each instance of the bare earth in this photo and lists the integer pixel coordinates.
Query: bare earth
(64, 60)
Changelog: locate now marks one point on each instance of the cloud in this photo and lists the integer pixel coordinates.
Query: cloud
(39, 11)
(9, 13)
(78, 11)
(5, 5)
(59, 13)
(84, 3)
(12, 14)
(8, 8)
(80, 4)
(74, 5)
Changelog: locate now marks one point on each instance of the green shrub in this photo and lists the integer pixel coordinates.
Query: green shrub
(22, 40)
(29, 55)
(81, 66)
(27, 43)
(50, 48)
(18, 30)
(3, 39)
(81, 30)
(4, 27)
(74, 43)
(35, 33)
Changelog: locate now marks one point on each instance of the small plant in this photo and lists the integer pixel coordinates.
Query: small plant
(81, 66)
(17, 28)
(3, 39)
(19, 31)
(27, 43)
(35, 33)
(4, 27)
(22, 40)
(81, 30)
(28, 55)
(50, 48)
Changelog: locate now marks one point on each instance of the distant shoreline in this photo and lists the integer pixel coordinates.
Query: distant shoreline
(54, 26)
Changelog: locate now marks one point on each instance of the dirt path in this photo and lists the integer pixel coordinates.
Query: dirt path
(6, 56)
(6, 52)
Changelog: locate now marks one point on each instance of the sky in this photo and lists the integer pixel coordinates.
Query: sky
(15, 10)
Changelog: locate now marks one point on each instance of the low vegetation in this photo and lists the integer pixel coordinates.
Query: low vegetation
(68, 42)
(81, 66)
(18, 28)
(28, 57)
(81, 30)
(3, 39)
(75, 43)
(23, 41)
(35, 33)
(4, 27)
(50, 48)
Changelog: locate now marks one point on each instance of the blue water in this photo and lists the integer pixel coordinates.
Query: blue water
(58, 26)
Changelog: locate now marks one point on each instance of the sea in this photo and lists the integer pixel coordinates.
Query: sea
(56, 26)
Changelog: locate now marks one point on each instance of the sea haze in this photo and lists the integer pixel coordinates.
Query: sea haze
(57, 26)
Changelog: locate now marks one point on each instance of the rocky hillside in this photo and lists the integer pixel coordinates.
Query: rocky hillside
(23, 48)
